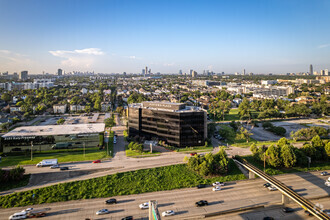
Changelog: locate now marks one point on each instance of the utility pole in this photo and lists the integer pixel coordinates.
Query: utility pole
(31, 150)
(84, 149)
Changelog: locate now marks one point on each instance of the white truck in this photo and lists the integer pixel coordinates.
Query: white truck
(48, 162)
(327, 182)
(29, 213)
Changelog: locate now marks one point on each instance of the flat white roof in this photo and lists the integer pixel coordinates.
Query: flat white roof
(56, 130)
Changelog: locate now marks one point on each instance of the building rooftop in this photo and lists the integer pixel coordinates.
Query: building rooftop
(166, 106)
(56, 130)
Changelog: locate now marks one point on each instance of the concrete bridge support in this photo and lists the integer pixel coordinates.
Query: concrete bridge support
(251, 175)
(285, 199)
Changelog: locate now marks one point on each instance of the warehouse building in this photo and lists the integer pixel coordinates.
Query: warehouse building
(177, 124)
(52, 137)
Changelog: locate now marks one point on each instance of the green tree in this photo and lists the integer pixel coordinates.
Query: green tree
(254, 149)
(60, 121)
(327, 149)
(317, 142)
(288, 156)
(244, 109)
(6, 97)
(273, 156)
(309, 150)
(243, 133)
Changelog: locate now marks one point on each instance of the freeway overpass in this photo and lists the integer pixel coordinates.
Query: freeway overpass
(286, 191)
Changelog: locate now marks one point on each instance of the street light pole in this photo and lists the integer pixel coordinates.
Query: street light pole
(31, 150)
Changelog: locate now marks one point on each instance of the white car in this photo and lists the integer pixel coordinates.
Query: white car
(218, 184)
(271, 188)
(27, 210)
(217, 188)
(144, 205)
(102, 212)
(327, 183)
(168, 213)
(55, 166)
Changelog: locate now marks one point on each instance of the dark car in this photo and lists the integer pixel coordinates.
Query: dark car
(128, 218)
(266, 185)
(64, 168)
(201, 186)
(308, 213)
(111, 201)
(287, 210)
(201, 203)
(268, 218)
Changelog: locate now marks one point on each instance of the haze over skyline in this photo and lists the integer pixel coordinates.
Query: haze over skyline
(115, 36)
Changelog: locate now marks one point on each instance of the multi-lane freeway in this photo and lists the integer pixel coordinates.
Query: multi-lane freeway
(239, 194)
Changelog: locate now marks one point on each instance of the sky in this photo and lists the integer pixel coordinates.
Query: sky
(115, 36)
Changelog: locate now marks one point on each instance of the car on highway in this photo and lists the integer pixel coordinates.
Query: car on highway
(111, 201)
(168, 213)
(144, 205)
(64, 168)
(96, 161)
(102, 212)
(218, 184)
(308, 213)
(287, 210)
(193, 154)
(55, 166)
(271, 188)
(127, 218)
(201, 203)
(216, 188)
(201, 186)
(324, 173)
(266, 185)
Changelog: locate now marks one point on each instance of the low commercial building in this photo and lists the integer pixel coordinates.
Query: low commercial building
(59, 108)
(175, 123)
(45, 137)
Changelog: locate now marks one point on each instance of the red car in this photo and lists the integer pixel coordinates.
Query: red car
(96, 161)
(193, 154)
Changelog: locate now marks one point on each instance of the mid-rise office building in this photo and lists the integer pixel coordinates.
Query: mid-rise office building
(59, 72)
(23, 75)
(177, 124)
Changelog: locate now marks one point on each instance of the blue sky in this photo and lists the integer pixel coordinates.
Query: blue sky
(263, 36)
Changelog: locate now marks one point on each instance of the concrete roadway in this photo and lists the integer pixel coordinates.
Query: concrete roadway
(233, 195)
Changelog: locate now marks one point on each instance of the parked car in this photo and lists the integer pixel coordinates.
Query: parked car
(127, 218)
(55, 166)
(96, 161)
(111, 201)
(266, 185)
(218, 184)
(324, 173)
(287, 210)
(268, 218)
(102, 212)
(193, 154)
(201, 203)
(272, 188)
(64, 168)
(201, 186)
(144, 205)
(216, 188)
(168, 213)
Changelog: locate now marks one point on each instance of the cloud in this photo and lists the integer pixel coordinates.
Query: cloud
(324, 46)
(13, 61)
(168, 64)
(83, 58)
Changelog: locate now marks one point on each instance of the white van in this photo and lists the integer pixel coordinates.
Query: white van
(18, 215)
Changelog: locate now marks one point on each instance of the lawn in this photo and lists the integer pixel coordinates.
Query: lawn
(62, 156)
(127, 183)
(195, 149)
(132, 153)
(15, 184)
(234, 116)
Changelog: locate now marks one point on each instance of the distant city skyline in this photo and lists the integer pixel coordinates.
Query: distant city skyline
(166, 36)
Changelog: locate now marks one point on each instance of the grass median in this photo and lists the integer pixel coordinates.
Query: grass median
(62, 156)
(127, 183)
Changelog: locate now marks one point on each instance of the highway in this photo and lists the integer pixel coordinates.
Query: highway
(304, 203)
(238, 194)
